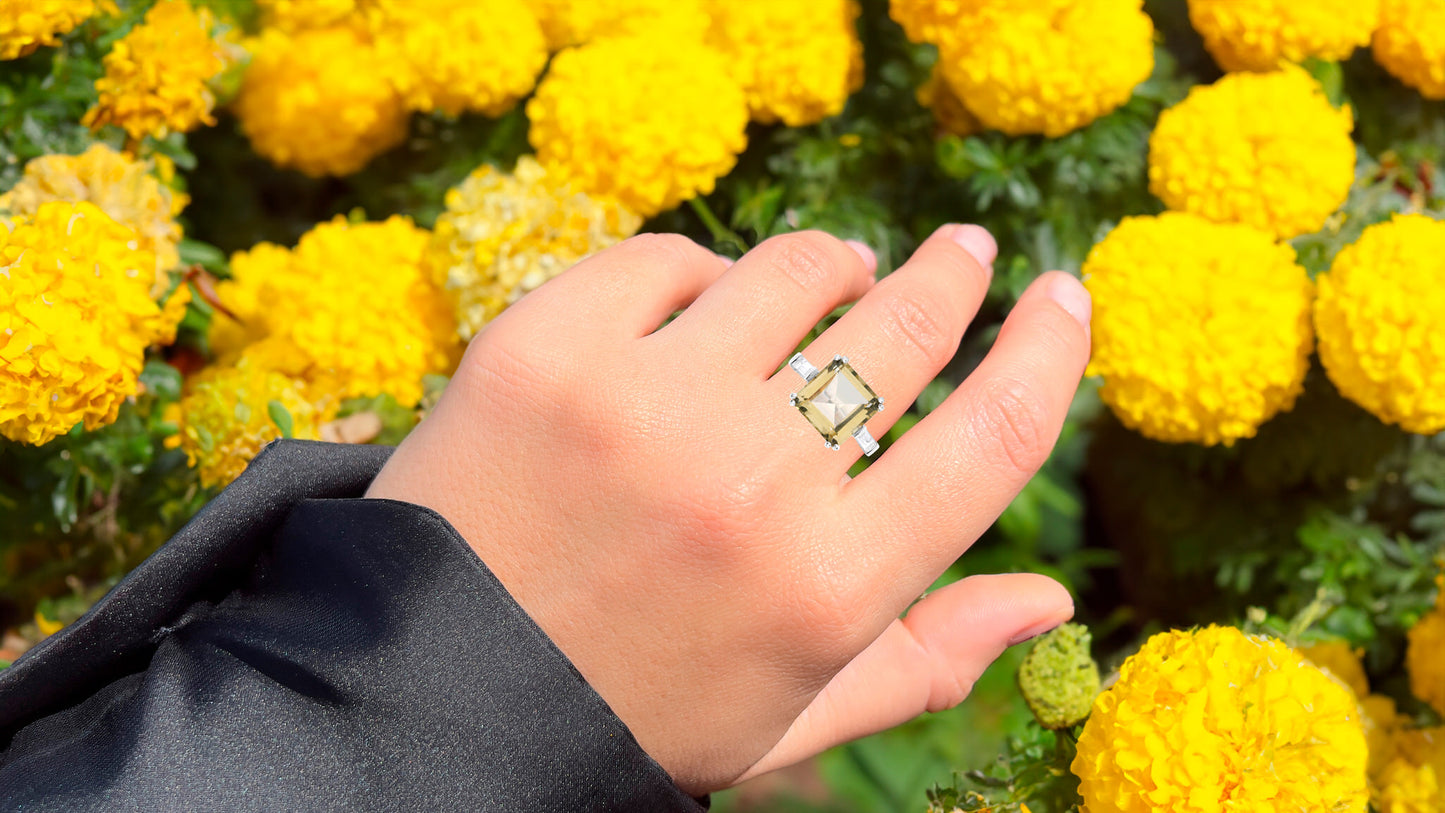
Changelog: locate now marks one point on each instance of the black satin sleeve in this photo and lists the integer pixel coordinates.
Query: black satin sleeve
(296, 647)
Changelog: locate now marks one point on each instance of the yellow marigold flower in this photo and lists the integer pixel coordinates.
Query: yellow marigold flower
(1339, 660)
(1410, 44)
(293, 16)
(1213, 720)
(1201, 330)
(230, 413)
(650, 121)
(1378, 317)
(1406, 788)
(349, 310)
(1257, 35)
(25, 25)
(1382, 723)
(320, 102)
(504, 234)
(948, 110)
(121, 186)
(1050, 67)
(1219, 155)
(797, 60)
(1422, 746)
(941, 22)
(1425, 657)
(575, 22)
(76, 316)
(459, 55)
(157, 76)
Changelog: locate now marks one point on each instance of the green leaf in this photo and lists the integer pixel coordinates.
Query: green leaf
(204, 439)
(281, 417)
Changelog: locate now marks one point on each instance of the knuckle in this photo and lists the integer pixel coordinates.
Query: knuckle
(808, 260)
(924, 323)
(1015, 423)
(664, 250)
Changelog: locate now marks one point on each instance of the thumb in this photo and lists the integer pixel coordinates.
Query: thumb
(928, 661)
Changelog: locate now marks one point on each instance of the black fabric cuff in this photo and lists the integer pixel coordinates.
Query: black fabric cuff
(295, 647)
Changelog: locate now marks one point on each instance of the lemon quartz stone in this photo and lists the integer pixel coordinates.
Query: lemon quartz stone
(837, 401)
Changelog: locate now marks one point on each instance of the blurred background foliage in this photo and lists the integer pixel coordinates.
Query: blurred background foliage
(1327, 509)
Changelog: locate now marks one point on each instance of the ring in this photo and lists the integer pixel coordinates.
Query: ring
(836, 401)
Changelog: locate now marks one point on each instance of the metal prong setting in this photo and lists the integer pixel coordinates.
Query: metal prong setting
(793, 398)
(866, 441)
(880, 404)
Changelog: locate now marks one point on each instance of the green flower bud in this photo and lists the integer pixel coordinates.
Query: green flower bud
(1059, 678)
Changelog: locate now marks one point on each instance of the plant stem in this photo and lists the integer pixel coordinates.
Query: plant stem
(720, 234)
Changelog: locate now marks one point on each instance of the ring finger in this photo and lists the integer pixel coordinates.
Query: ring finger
(897, 338)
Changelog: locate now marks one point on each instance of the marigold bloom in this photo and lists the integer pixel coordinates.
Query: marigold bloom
(1382, 724)
(349, 310)
(1267, 150)
(1338, 659)
(1425, 657)
(157, 76)
(1406, 788)
(942, 22)
(1257, 35)
(459, 55)
(25, 25)
(1410, 44)
(1378, 317)
(1215, 719)
(226, 417)
(576, 22)
(292, 16)
(121, 186)
(504, 234)
(1201, 330)
(76, 317)
(797, 60)
(647, 120)
(320, 102)
(1047, 66)
(948, 110)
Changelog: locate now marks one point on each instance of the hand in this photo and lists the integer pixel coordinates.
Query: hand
(681, 532)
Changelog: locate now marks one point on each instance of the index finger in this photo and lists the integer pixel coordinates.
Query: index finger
(940, 486)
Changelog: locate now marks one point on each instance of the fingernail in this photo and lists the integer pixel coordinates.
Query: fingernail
(976, 241)
(1035, 631)
(869, 258)
(1071, 295)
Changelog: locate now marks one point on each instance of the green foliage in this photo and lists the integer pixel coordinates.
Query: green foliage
(1059, 679)
(1033, 770)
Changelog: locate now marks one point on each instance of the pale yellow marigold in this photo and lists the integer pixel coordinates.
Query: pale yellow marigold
(948, 110)
(25, 25)
(226, 417)
(157, 77)
(574, 22)
(1050, 66)
(648, 120)
(1257, 35)
(121, 186)
(1338, 658)
(1266, 149)
(464, 55)
(76, 317)
(1425, 658)
(504, 234)
(1214, 720)
(349, 310)
(797, 60)
(1410, 44)
(1201, 330)
(320, 102)
(1378, 318)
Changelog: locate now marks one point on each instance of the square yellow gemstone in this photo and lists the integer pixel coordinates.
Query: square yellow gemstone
(837, 401)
